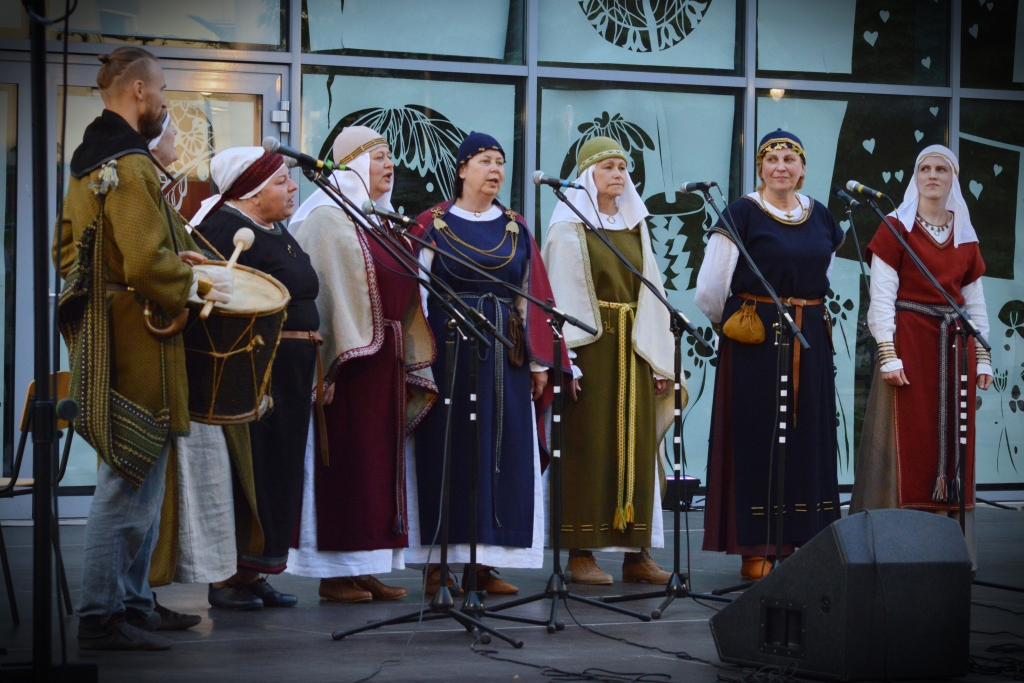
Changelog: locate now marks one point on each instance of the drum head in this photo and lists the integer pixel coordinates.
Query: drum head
(255, 292)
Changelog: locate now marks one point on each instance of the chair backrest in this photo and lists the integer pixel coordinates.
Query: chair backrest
(63, 389)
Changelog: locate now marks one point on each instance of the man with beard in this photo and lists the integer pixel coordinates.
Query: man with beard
(128, 270)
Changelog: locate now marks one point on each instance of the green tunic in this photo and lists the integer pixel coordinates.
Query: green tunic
(599, 481)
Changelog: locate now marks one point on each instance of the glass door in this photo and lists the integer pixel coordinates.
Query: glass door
(213, 110)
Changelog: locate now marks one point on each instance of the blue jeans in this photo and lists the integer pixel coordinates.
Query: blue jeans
(120, 535)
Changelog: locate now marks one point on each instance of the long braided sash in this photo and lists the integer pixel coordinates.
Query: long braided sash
(943, 492)
(626, 414)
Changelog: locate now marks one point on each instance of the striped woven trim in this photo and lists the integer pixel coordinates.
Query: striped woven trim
(601, 156)
(780, 143)
(365, 147)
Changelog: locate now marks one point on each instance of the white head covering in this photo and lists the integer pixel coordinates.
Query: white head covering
(353, 183)
(963, 231)
(163, 129)
(631, 207)
(225, 168)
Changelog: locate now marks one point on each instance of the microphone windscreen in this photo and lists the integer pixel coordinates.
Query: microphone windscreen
(852, 185)
(367, 206)
(537, 176)
(289, 161)
(271, 144)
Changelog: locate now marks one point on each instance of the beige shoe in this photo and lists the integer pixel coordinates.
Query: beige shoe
(378, 590)
(583, 569)
(641, 568)
(487, 581)
(433, 572)
(343, 590)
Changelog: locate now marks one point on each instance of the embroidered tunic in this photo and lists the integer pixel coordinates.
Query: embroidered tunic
(795, 258)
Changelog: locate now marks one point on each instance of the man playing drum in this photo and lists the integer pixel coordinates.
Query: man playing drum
(119, 251)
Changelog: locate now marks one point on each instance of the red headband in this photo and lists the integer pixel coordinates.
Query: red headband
(258, 173)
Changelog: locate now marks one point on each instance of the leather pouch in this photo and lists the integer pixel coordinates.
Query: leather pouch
(516, 335)
(745, 325)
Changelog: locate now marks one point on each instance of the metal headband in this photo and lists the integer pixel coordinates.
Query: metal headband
(365, 147)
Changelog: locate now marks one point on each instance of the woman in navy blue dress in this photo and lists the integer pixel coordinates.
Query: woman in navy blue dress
(793, 240)
(510, 510)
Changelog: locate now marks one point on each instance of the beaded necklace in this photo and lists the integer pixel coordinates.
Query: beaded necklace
(937, 230)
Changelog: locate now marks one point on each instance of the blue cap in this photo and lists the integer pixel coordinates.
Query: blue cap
(474, 144)
(780, 139)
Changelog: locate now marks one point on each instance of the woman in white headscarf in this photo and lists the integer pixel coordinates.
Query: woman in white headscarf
(908, 457)
(622, 404)
(377, 353)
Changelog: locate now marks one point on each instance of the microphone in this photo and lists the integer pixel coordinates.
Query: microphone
(689, 188)
(854, 186)
(272, 144)
(845, 198)
(369, 207)
(540, 179)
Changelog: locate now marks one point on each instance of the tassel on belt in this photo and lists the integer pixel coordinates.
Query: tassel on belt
(799, 304)
(626, 415)
(941, 492)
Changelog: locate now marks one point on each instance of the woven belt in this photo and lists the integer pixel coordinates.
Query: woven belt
(941, 491)
(314, 337)
(626, 422)
(799, 304)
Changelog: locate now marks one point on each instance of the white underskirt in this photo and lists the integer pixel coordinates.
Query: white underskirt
(307, 560)
(206, 507)
(490, 555)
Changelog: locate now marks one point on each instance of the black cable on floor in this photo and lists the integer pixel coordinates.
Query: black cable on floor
(999, 633)
(767, 674)
(592, 674)
(1001, 609)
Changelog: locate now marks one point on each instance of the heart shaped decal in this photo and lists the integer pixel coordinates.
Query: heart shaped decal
(997, 169)
(976, 188)
(871, 37)
(869, 145)
(899, 176)
(934, 111)
(927, 61)
(884, 15)
(845, 225)
(973, 30)
(886, 175)
(918, 135)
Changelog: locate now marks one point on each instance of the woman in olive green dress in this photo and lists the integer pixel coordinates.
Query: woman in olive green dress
(622, 405)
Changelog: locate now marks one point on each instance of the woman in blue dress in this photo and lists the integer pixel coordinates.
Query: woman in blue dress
(512, 382)
(793, 240)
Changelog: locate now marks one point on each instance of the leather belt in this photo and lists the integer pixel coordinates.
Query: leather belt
(314, 337)
(799, 304)
(118, 287)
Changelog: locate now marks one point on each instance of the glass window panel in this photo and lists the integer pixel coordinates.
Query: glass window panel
(992, 45)
(667, 34)
(207, 123)
(869, 41)
(492, 30)
(671, 137)
(873, 139)
(424, 120)
(13, 19)
(232, 24)
(8, 204)
(992, 179)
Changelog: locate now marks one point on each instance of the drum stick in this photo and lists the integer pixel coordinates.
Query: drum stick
(243, 239)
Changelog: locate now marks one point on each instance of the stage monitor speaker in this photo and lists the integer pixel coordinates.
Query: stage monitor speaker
(878, 595)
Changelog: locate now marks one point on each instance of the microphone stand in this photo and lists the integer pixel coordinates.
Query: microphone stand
(965, 329)
(442, 605)
(677, 584)
(556, 588)
(784, 334)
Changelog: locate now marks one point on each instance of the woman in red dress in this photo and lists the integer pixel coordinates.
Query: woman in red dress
(909, 454)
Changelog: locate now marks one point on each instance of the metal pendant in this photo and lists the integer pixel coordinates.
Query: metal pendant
(440, 224)
(512, 227)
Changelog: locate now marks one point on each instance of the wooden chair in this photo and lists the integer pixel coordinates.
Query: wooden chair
(13, 486)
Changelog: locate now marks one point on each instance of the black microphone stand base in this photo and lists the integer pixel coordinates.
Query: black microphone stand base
(674, 589)
(1000, 586)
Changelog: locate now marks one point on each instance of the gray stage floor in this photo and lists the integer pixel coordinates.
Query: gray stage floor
(295, 644)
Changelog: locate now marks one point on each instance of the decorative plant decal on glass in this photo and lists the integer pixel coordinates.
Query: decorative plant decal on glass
(632, 137)
(838, 311)
(1016, 405)
(644, 25)
(1012, 315)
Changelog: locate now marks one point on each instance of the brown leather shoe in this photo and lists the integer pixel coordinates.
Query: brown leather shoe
(641, 568)
(343, 590)
(378, 590)
(434, 579)
(584, 569)
(487, 581)
(754, 567)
